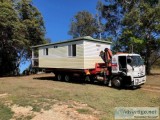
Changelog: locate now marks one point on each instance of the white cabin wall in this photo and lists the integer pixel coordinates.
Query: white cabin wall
(91, 53)
(58, 57)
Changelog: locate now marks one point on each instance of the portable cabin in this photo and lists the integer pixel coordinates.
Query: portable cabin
(78, 53)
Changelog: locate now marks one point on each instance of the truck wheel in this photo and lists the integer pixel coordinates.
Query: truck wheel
(106, 82)
(116, 82)
(92, 79)
(87, 79)
(59, 77)
(67, 78)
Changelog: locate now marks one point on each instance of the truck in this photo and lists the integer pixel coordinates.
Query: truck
(90, 59)
(126, 69)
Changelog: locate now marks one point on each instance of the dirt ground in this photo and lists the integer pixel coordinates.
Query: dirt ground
(59, 111)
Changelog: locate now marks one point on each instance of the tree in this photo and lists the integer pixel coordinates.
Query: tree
(21, 26)
(100, 25)
(83, 24)
(35, 30)
(144, 30)
(135, 23)
(9, 29)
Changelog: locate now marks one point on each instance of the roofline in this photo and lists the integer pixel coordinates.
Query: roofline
(88, 38)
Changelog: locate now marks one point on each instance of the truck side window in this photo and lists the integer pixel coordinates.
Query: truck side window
(122, 62)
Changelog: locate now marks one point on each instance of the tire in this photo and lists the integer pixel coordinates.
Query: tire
(106, 82)
(67, 78)
(87, 79)
(92, 79)
(59, 77)
(116, 82)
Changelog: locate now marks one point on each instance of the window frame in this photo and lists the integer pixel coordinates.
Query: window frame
(72, 50)
(46, 51)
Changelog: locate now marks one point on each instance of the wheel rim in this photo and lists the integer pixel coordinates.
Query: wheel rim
(59, 77)
(67, 78)
(117, 83)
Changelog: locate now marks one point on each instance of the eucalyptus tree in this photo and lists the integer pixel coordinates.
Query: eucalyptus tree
(10, 33)
(83, 24)
(135, 23)
(21, 26)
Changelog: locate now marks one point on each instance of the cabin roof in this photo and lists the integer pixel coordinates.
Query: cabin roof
(86, 38)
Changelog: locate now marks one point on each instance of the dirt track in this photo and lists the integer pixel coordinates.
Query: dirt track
(153, 83)
(151, 88)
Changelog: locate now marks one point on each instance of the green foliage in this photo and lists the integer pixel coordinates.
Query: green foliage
(83, 24)
(8, 29)
(84, 111)
(33, 21)
(135, 23)
(21, 26)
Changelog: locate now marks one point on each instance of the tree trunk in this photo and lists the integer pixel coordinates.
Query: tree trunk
(148, 55)
(148, 67)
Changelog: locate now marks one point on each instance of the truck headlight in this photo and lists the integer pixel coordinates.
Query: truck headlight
(136, 81)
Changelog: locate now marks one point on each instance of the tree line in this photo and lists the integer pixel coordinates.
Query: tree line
(21, 26)
(132, 25)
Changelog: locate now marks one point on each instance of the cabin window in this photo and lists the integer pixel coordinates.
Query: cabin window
(55, 46)
(45, 51)
(72, 50)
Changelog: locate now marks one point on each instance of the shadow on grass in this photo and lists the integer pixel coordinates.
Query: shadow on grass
(82, 82)
(52, 78)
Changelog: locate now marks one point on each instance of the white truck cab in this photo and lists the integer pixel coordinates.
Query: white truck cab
(128, 69)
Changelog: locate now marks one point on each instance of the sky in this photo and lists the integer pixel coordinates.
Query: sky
(57, 16)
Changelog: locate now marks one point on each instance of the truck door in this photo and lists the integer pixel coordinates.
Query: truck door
(122, 63)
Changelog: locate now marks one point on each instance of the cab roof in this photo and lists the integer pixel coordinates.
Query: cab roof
(127, 54)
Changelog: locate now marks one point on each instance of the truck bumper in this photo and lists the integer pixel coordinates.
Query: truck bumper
(137, 81)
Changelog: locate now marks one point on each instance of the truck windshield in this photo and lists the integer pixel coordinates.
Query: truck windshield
(137, 61)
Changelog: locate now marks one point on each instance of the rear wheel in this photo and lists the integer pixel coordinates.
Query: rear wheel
(59, 77)
(116, 82)
(67, 78)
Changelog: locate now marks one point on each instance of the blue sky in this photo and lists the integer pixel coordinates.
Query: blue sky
(57, 15)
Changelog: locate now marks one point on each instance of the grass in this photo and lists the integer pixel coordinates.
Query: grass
(36, 103)
(154, 79)
(5, 112)
(84, 111)
(29, 117)
(43, 93)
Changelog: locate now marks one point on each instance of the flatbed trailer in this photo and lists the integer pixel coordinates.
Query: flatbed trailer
(63, 74)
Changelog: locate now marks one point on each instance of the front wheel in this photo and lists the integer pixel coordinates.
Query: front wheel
(116, 82)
